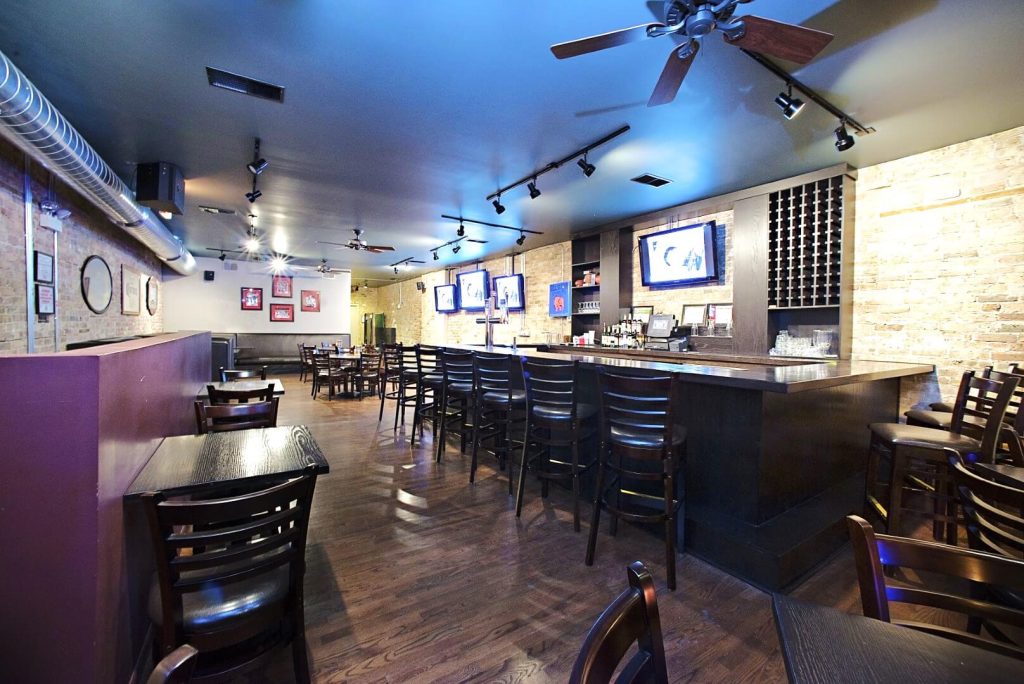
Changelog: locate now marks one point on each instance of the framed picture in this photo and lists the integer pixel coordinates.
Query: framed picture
(693, 314)
(151, 296)
(509, 289)
(558, 299)
(43, 267)
(720, 314)
(473, 290)
(282, 313)
(643, 313)
(45, 300)
(131, 291)
(446, 299)
(310, 300)
(281, 286)
(252, 299)
(97, 284)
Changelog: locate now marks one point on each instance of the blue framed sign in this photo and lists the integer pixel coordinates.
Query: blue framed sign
(559, 304)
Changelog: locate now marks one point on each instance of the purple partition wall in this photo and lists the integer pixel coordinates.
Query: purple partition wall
(77, 428)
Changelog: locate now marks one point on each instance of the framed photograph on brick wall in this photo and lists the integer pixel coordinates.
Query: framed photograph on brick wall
(282, 313)
(43, 267)
(131, 291)
(45, 300)
(152, 300)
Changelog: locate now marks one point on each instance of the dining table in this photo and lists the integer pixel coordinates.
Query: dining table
(242, 386)
(187, 464)
(821, 644)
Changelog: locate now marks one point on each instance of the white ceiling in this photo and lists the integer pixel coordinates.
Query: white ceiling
(395, 114)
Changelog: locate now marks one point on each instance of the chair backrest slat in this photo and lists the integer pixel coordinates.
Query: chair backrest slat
(992, 511)
(239, 396)
(225, 417)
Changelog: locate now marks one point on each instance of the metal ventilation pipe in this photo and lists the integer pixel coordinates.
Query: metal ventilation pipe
(36, 127)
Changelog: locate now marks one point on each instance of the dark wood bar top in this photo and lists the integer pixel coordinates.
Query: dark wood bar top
(765, 373)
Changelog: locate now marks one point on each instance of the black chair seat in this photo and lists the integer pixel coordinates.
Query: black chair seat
(548, 412)
(941, 406)
(460, 388)
(922, 437)
(225, 605)
(502, 398)
(941, 420)
(432, 380)
(644, 439)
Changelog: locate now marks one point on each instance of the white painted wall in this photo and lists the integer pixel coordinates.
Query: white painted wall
(191, 303)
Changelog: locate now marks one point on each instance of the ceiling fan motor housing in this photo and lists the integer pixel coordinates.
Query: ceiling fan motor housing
(701, 22)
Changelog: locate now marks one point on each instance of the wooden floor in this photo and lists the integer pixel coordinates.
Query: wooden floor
(414, 575)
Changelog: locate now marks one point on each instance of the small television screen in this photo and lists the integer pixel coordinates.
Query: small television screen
(680, 256)
(509, 289)
(446, 299)
(473, 290)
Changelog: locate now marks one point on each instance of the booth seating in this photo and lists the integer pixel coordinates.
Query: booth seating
(278, 351)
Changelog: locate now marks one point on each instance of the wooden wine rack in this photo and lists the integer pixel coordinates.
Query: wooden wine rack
(805, 239)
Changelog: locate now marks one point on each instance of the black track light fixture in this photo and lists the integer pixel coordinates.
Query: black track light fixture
(396, 270)
(222, 256)
(254, 195)
(521, 239)
(790, 106)
(499, 208)
(844, 140)
(456, 249)
(588, 168)
(462, 229)
(532, 187)
(436, 257)
(257, 167)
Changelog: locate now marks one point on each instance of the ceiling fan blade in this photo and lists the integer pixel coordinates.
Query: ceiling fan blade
(785, 41)
(334, 244)
(672, 76)
(379, 248)
(602, 41)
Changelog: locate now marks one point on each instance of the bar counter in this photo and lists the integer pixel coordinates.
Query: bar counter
(776, 449)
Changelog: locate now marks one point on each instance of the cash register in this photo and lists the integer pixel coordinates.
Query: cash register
(663, 335)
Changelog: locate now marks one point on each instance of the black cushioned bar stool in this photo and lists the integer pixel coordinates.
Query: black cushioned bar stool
(407, 383)
(554, 418)
(497, 408)
(915, 453)
(455, 399)
(640, 443)
(391, 377)
(428, 388)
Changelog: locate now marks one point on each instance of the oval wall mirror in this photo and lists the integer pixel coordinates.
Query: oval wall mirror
(97, 284)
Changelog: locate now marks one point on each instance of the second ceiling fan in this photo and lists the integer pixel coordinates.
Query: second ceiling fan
(693, 20)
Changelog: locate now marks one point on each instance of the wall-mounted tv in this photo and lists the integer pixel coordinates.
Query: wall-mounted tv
(446, 299)
(473, 290)
(680, 256)
(509, 289)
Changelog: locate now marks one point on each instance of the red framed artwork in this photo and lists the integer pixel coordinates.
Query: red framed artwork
(310, 300)
(282, 313)
(252, 299)
(281, 286)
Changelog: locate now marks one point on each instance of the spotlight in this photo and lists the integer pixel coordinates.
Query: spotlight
(521, 239)
(588, 168)
(532, 187)
(62, 213)
(790, 106)
(222, 256)
(456, 249)
(498, 207)
(462, 229)
(277, 264)
(252, 244)
(844, 140)
(257, 167)
(253, 196)
(436, 257)
(166, 215)
(396, 270)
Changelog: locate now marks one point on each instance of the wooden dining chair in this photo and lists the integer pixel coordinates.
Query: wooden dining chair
(225, 417)
(367, 375)
(243, 374)
(229, 576)
(632, 618)
(176, 667)
(993, 512)
(239, 396)
(976, 571)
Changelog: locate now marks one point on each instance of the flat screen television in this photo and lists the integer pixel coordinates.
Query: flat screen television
(446, 299)
(509, 288)
(679, 256)
(473, 290)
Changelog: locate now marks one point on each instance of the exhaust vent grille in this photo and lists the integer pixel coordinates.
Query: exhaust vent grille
(651, 179)
(245, 85)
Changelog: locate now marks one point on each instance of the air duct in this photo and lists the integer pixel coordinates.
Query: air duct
(32, 123)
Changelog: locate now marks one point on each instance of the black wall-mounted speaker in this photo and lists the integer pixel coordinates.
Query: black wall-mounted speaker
(208, 275)
(421, 286)
(160, 186)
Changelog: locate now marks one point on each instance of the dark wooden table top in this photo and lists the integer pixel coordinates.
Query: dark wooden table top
(1009, 475)
(243, 386)
(190, 463)
(822, 644)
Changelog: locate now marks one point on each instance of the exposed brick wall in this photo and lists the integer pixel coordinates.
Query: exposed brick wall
(939, 261)
(86, 232)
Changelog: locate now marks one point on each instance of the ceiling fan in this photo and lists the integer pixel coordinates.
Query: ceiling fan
(359, 244)
(322, 268)
(691, 20)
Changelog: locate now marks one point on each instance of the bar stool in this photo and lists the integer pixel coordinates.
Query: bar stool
(428, 388)
(915, 453)
(554, 419)
(391, 377)
(456, 398)
(407, 381)
(497, 408)
(640, 442)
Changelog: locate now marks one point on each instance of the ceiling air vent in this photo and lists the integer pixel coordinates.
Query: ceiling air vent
(244, 85)
(651, 179)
